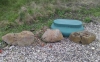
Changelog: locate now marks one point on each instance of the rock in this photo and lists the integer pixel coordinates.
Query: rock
(87, 37)
(52, 35)
(75, 37)
(25, 38)
(83, 37)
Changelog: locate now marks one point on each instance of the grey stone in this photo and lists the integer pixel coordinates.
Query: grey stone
(98, 53)
(47, 61)
(98, 60)
(85, 60)
(66, 58)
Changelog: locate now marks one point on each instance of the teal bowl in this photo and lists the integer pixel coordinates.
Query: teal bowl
(67, 26)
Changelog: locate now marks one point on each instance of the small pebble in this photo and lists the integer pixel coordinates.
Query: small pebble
(50, 46)
(92, 48)
(0, 51)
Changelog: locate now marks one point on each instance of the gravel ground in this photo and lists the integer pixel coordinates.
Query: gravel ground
(63, 51)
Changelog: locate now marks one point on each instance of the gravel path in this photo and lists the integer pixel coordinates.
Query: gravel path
(64, 51)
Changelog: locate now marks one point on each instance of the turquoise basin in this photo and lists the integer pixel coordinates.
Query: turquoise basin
(67, 26)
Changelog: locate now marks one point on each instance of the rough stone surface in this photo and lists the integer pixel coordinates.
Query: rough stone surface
(24, 38)
(75, 37)
(87, 37)
(83, 37)
(52, 35)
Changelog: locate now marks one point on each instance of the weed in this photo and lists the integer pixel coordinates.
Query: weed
(87, 20)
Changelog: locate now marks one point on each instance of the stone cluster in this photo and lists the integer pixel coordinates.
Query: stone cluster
(83, 37)
(27, 38)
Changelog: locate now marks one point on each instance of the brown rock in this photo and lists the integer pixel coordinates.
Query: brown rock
(87, 37)
(52, 35)
(83, 37)
(10, 38)
(75, 37)
(50, 46)
(25, 38)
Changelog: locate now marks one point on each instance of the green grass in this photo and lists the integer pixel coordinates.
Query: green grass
(87, 20)
(43, 12)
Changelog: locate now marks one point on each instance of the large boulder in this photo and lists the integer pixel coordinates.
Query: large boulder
(25, 38)
(83, 37)
(52, 35)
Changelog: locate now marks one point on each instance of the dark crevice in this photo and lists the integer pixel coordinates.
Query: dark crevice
(81, 39)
